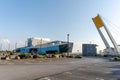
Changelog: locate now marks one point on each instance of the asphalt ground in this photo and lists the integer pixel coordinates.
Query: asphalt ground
(60, 69)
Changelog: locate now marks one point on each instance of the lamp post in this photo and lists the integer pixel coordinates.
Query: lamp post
(68, 44)
(41, 45)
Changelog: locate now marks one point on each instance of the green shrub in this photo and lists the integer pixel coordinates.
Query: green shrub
(63, 55)
(56, 52)
(78, 56)
(116, 58)
(24, 55)
(70, 56)
(41, 56)
(11, 53)
(35, 56)
(17, 57)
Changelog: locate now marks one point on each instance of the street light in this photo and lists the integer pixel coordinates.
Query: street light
(41, 45)
(68, 44)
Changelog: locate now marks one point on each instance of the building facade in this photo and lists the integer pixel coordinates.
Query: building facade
(34, 41)
(50, 47)
(89, 50)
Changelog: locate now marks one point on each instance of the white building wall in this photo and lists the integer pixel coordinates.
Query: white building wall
(37, 41)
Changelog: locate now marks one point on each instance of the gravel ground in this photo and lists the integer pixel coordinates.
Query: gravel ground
(60, 69)
(38, 61)
(96, 70)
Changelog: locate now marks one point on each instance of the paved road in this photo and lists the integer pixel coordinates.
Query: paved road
(65, 69)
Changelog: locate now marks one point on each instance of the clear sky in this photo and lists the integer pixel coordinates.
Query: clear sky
(54, 19)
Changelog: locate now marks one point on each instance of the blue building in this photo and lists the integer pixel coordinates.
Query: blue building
(89, 50)
(50, 47)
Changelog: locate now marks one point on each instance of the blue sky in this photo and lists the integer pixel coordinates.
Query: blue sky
(21, 19)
